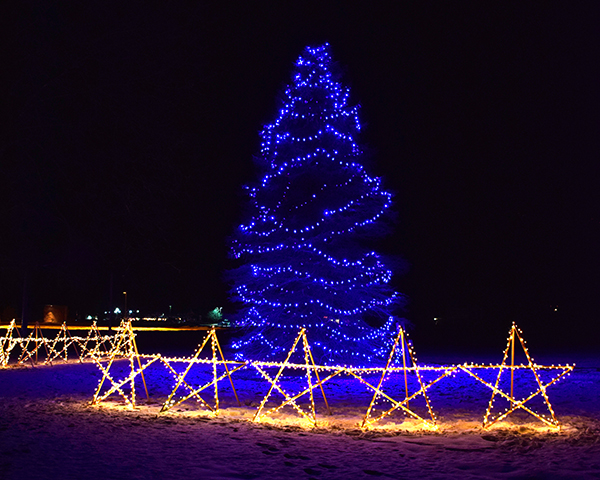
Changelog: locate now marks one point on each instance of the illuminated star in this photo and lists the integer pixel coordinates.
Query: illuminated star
(37, 339)
(64, 339)
(96, 339)
(124, 348)
(310, 368)
(515, 404)
(195, 392)
(8, 342)
(406, 351)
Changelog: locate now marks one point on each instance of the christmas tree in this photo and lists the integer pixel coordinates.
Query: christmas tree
(304, 247)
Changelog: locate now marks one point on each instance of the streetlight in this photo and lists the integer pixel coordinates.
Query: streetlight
(126, 312)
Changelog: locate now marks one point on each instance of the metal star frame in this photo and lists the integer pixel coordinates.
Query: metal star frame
(406, 351)
(490, 419)
(54, 348)
(8, 342)
(310, 367)
(98, 343)
(37, 340)
(216, 378)
(59, 345)
(124, 347)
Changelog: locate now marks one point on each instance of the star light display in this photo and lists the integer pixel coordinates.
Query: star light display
(309, 367)
(401, 361)
(401, 348)
(214, 362)
(31, 346)
(8, 342)
(303, 246)
(94, 344)
(60, 346)
(514, 404)
(124, 347)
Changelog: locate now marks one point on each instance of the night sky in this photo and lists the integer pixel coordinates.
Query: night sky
(127, 132)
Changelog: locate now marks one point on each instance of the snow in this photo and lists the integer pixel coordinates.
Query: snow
(49, 429)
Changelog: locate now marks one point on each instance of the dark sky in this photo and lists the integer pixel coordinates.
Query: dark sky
(128, 130)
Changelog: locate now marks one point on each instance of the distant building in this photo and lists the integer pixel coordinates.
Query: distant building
(55, 314)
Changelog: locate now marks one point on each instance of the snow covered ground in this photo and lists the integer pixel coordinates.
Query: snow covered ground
(48, 429)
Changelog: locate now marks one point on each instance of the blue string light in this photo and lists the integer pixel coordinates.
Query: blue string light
(304, 264)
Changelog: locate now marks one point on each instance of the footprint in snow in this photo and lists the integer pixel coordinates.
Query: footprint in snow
(271, 448)
(292, 457)
(312, 471)
(375, 473)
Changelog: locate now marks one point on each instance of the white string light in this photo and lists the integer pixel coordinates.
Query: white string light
(123, 347)
(35, 344)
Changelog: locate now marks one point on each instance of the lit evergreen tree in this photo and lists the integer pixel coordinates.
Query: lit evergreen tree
(310, 217)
